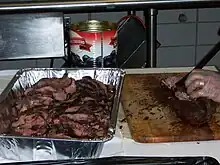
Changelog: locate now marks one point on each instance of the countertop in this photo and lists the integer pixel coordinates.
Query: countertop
(122, 144)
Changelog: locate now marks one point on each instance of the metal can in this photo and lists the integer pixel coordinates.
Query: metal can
(93, 43)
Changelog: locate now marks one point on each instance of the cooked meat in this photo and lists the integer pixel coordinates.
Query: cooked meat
(194, 112)
(63, 108)
(170, 83)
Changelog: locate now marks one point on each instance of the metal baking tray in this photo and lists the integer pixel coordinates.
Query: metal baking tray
(31, 35)
(12, 147)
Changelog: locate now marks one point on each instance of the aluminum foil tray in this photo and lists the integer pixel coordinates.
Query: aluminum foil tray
(28, 148)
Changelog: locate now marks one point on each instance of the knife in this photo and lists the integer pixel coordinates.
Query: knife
(201, 63)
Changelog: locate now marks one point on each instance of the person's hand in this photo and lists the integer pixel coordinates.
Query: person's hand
(204, 83)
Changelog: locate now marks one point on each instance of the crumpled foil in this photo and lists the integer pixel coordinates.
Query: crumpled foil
(30, 148)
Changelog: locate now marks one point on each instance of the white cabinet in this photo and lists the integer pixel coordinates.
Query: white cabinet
(208, 26)
(209, 15)
(176, 56)
(208, 33)
(173, 16)
(176, 34)
(177, 38)
(201, 52)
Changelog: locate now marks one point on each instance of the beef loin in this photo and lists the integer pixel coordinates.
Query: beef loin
(63, 108)
(196, 112)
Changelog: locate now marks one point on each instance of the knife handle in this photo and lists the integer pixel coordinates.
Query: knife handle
(202, 62)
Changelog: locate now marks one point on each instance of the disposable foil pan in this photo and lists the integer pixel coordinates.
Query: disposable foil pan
(35, 148)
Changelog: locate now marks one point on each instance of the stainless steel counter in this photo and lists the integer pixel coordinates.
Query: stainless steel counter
(124, 145)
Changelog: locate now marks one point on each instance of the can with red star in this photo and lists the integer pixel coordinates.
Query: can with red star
(93, 43)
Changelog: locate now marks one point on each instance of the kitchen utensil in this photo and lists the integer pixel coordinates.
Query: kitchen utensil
(201, 63)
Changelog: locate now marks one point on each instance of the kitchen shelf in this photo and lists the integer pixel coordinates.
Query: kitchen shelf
(100, 5)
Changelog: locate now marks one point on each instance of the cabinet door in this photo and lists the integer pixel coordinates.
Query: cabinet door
(208, 33)
(176, 16)
(176, 56)
(177, 34)
(201, 52)
(209, 14)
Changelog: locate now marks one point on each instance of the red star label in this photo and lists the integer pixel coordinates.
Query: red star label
(113, 41)
(86, 46)
(81, 42)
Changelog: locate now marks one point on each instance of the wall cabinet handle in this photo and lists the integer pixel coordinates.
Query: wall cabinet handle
(182, 18)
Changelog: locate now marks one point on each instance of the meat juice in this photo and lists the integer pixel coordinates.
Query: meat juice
(93, 44)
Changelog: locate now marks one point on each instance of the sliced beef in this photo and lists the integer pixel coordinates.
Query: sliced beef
(71, 88)
(63, 108)
(194, 112)
(60, 95)
(72, 109)
(53, 82)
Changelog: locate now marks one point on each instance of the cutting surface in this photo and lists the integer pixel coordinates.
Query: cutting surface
(151, 121)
